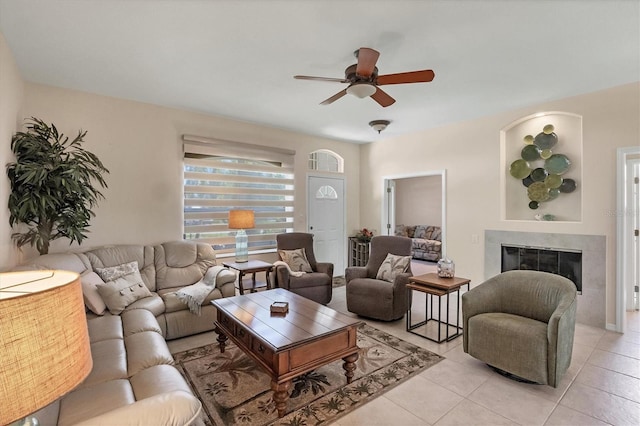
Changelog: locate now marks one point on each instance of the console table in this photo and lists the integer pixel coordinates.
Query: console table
(434, 286)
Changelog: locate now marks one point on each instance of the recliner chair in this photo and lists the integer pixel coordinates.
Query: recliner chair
(522, 322)
(316, 285)
(379, 299)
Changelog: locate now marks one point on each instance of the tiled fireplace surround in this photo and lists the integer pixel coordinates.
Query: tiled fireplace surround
(592, 301)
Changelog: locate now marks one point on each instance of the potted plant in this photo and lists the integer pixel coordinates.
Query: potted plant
(53, 185)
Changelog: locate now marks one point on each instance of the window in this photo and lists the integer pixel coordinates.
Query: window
(220, 176)
(326, 161)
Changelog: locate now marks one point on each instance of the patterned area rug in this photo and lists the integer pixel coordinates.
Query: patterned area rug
(339, 282)
(234, 390)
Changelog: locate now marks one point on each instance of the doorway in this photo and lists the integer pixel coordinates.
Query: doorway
(628, 240)
(394, 201)
(326, 220)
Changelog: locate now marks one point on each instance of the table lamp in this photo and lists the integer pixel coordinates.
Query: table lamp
(241, 220)
(44, 342)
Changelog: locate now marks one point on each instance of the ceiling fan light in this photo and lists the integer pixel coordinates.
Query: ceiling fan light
(379, 125)
(361, 90)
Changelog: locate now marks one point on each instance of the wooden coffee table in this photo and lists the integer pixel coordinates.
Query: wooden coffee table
(434, 286)
(287, 345)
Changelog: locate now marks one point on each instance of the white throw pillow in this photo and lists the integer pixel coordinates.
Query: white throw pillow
(393, 266)
(296, 259)
(123, 286)
(90, 294)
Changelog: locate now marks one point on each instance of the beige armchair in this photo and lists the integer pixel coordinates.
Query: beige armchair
(316, 285)
(374, 298)
(522, 322)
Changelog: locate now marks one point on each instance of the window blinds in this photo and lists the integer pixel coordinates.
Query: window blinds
(222, 175)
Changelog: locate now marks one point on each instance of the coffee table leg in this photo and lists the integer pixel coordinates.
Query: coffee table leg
(222, 339)
(280, 395)
(350, 366)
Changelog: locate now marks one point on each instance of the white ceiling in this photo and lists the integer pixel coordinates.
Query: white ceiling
(237, 58)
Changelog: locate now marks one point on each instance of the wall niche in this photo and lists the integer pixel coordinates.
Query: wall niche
(541, 161)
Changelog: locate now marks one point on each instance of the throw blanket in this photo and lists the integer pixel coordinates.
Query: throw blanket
(277, 263)
(194, 295)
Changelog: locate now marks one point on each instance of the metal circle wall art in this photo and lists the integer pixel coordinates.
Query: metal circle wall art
(540, 168)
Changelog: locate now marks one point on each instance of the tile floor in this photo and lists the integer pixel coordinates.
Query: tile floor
(602, 386)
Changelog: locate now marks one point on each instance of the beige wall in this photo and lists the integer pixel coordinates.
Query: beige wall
(141, 146)
(470, 152)
(419, 201)
(11, 92)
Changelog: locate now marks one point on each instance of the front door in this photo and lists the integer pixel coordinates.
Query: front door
(325, 219)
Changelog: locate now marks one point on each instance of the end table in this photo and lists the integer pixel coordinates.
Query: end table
(432, 285)
(251, 267)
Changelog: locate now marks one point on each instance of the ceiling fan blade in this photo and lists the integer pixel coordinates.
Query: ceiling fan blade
(308, 77)
(423, 76)
(382, 98)
(367, 59)
(334, 97)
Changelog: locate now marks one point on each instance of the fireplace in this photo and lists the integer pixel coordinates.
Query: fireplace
(567, 263)
(592, 249)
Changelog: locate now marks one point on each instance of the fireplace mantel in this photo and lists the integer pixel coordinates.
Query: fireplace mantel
(592, 301)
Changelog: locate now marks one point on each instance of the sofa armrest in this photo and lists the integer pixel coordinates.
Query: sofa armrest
(282, 277)
(353, 272)
(560, 331)
(224, 277)
(177, 408)
(325, 267)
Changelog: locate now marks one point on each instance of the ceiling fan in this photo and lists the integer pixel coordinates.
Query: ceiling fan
(364, 80)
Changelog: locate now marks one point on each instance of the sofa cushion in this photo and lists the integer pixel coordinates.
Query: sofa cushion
(145, 350)
(393, 266)
(527, 359)
(173, 304)
(109, 362)
(92, 299)
(139, 320)
(296, 259)
(401, 231)
(156, 380)
(85, 403)
(153, 303)
(182, 263)
(105, 328)
(123, 285)
(108, 256)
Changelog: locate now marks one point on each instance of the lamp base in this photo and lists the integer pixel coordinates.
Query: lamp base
(242, 247)
(26, 421)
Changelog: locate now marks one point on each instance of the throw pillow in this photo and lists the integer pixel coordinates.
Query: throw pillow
(90, 294)
(393, 266)
(296, 259)
(123, 286)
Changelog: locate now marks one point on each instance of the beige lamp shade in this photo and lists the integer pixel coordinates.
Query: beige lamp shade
(241, 219)
(44, 342)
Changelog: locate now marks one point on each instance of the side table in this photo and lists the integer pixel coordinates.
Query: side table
(251, 267)
(432, 285)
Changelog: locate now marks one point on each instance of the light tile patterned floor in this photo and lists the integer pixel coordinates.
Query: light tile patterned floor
(601, 387)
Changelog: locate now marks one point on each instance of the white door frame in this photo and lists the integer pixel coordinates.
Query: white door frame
(389, 217)
(624, 219)
(344, 207)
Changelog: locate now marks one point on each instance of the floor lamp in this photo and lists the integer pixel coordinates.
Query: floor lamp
(44, 342)
(241, 220)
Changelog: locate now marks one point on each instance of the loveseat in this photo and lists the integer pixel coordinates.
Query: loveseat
(426, 241)
(133, 380)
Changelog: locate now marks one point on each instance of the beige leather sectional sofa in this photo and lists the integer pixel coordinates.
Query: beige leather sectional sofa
(133, 380)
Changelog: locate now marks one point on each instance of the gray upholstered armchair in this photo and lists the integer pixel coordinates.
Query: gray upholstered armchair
(316, 285)
(522, 322)
(379, 299)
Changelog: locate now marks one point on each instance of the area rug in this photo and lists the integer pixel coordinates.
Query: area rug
(234, 390)
(339, 282)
